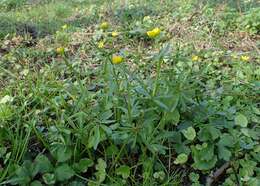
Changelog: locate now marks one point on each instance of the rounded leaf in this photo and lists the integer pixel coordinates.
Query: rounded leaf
(124, 171)
(189, 133)
(64, 172)
(241, 120)
(181, 159)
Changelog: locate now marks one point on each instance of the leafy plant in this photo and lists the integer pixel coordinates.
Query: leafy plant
(129, 93)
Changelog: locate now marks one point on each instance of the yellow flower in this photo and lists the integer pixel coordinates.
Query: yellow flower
(104, 25)
(101, 44)
(114, 34)
(245, 58)
(116, 59)
(153, 33)
(60, 50)
(195, 58)
(64, 27)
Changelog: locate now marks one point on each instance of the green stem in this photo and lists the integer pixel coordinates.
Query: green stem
(40, 138)
(118, 156)
(158, 70)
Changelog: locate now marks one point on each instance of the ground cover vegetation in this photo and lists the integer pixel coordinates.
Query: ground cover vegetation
(96, 92)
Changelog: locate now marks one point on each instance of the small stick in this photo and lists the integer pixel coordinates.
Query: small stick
(216, 174)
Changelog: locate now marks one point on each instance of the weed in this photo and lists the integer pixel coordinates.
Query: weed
(129, 93)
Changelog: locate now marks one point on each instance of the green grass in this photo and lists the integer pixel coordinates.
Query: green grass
(176, 109)
(48, 18)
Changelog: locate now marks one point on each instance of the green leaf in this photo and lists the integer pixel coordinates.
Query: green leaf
(203, 156)
(102, 165)
(172, 117)
(189, 133)
(181, 148)
(256, 110)
(167, 103)
(64, 172)
(104, 117)
(94, 137)
(172, 136)
(181, 159)
(112, 150)
(248, 167)
(205, 165)
(224, 153)
(194, 177)
(207, 152)
(61, 152)
(49, 179)
(124, 171)
(253, 181)
(163, 52)
(6, 99)
(83, 165)
(36, 183)
(159, 175)
(157, 148)
(101, 170)
(6, 112)
(20, 180)
(161, 105)
(208, 133)
(241, 120)
(42, 164)
(76, 183)
(24, 173)
(3, 151)
(226, 140)
(250, 133)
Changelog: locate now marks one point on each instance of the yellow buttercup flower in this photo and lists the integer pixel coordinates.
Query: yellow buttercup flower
(104, 25)
(195, 58)
(116, 59)
(114, 34)
(60, 50)
(153, 33)
(245, 58)
(101, 44)
(64, 27)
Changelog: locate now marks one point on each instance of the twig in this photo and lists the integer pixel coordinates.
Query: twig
(213, 177)
(193, 15)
